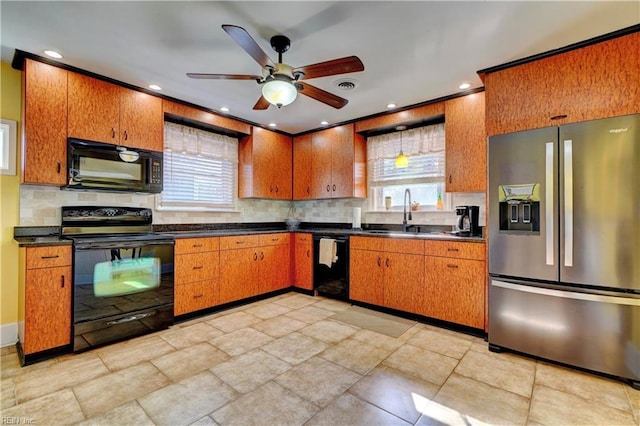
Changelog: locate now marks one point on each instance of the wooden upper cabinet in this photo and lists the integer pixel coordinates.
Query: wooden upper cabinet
(466, 139)
(338, 169)
(265, 169)
(302, 161)
(104, 112)
(45, 124)
(596, 81)
(94, 109)
(141, 120)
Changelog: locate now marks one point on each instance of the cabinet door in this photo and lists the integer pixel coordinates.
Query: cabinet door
(321, 165)
(302, 161)
(238, 274)
(455, 290)
(47, 315)
(366, 276)
(141, 120)
(45, 124)
(342, 161)
(466, 165)
(303, 262)
(281, 167)
(274, 268)
(94, 109)
(403, 281)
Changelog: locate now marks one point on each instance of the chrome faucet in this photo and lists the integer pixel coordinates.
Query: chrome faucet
(406, 207)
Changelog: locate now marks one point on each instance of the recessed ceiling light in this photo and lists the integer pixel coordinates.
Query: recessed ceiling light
(464, 86)
(154, 87)
(224, 109)
(53, 54)
(392, 105)
(273, 125)
(324, 123)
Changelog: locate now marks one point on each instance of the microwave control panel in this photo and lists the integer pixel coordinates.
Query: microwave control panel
(156, 172)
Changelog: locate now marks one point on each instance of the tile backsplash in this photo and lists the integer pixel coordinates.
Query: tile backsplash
(40, 206)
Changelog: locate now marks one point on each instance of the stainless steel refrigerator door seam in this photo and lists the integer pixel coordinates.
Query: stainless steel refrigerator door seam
(549, 194)
(568, 203)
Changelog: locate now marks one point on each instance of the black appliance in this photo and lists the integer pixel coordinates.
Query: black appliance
(123, 282)
(102, 166)
(467, 224)
(331, 281)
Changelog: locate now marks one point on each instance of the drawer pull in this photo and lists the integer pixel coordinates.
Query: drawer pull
(558, 117)
(240, 242)
(55, 256)
(198, 296)
(275, 239)
(451, 265)
(198, 267)
(197, 245)
(452, 249)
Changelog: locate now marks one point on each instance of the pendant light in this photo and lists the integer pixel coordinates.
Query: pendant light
(401, 160)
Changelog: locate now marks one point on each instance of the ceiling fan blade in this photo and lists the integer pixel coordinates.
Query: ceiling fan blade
(321, 95)
(262, 103)
(223, 76)
(242, 37)
(333, 67)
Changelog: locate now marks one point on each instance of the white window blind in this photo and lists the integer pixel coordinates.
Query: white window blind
(200, 169)
(425, 174)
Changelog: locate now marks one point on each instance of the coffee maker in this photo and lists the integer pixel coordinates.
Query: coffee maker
(467, 224)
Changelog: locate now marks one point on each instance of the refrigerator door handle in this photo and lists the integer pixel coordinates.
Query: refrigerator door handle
(590, 297)
(568, 203)
(549, 196)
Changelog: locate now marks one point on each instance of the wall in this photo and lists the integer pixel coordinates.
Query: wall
(10, 108)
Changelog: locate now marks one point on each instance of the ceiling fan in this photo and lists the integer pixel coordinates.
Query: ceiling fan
(281, 82)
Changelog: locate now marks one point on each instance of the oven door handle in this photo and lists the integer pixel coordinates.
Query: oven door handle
(131, 318)
(122, 244)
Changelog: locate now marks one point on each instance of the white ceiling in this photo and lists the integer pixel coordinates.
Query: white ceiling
(412, 51)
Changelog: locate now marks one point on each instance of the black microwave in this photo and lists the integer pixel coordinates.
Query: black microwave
(101, 166)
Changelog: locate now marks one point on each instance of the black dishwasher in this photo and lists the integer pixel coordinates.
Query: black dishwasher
(332, 281)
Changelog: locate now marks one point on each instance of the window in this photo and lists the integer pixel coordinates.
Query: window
(424, 176)
(200, 170)
(8, 147)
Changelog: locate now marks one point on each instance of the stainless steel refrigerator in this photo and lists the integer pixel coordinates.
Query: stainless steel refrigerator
(564, 244)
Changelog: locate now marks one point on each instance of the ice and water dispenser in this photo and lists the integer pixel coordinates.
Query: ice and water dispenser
(519, 207)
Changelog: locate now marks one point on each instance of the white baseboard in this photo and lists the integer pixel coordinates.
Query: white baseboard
(8, 334)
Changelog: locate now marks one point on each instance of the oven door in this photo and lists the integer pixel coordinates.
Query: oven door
(120, 290)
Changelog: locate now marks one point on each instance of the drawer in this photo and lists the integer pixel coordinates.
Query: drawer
(300, 238)
(194, 296)
(367, 243)
(239, 241)
(196, 267)
(401, 245)
(273, 239)
(458, 249)
(48, 256)
(196, 245)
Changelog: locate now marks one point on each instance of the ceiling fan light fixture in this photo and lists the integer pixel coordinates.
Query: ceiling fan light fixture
(279, 92)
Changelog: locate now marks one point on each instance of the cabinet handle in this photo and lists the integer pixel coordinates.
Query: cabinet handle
(198, 267)
(59, 168)
(308, 190)
(275, 239)
(328, 188)
(387, 262)
(451, 265)
(452, 249)
(261, 256)
(255, 256)
(197, 245)
(334, 188)
(55, 256)
(198, 296)
(449, 178)
(113, 133)
(62, 283)
(558, 117)
(379, 261)
(276, 189)
(308, 253)
(240, 242)
(126, 135)
(270, 188)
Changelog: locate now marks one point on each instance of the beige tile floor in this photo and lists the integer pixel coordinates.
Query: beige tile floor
(283, 361)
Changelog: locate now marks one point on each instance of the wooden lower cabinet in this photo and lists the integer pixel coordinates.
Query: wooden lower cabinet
(47, 296)
(366, 276)
(403, 281)
(196, 271)
(238, 272)
(273, 268)
(455, 290)
(303, 261)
